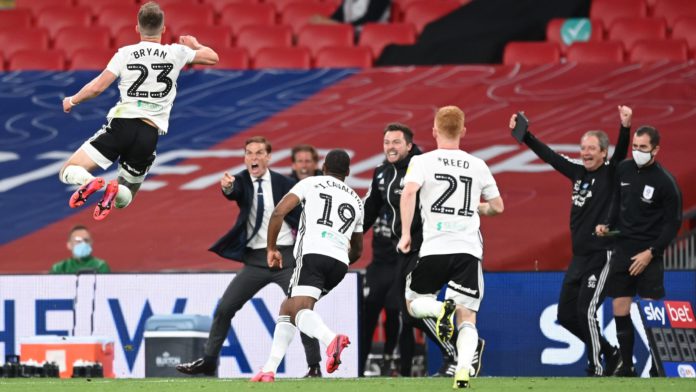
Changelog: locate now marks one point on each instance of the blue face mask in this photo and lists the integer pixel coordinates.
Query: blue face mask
(81, 250)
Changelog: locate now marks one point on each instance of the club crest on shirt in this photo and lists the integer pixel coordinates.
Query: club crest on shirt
(648, 192)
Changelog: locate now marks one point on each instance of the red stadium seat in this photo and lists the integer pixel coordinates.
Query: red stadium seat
(423, 12)
(283, 57)
(606, 52)
(13, 40)
(96, 6)
(55, 18)
(254, 38)
(18, 18)
(281, 5)
(216, 37)
(91, 59)
(568, 37)
(297, 15)
(399, 8)
(230, 58)
(609, 10)
(648, 51)
(118, 17)
(316, 37)
(672, 10)
(36, 6)
(685, 28)
(531, 53)
(128, 36)
(378, 35)
(71, 39)
(46, 60)
(239, 16)
(344, 57)
(183, 14)
(166, 3)
(630, 30)
(219, 5)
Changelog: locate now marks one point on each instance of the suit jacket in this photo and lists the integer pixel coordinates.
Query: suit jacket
(233, 244)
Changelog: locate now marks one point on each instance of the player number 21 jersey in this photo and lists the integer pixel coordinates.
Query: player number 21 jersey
(148, 72)
(452, 184)
(331, 213)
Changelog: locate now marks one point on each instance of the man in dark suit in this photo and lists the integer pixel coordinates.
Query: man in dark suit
(256, 190)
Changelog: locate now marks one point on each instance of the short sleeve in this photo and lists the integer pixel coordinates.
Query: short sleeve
(300, 189)
(116, 64)
(359, 219)
(184, 54)
(489, 188)
(415, 172)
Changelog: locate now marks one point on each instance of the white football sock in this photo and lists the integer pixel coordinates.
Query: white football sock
(425, 307)
(466, 344)
(309, 322)
(123, 197)
(282, 337)
(76, 175)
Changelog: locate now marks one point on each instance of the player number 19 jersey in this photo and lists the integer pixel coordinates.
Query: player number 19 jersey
(452, 184)
(331, 213)
(148, 72)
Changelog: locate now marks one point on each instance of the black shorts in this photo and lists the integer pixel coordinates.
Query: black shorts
(315, 275)
(461, 272)
(130, 140)
(649, 284)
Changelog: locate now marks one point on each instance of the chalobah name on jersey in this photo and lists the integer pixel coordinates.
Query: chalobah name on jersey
(150, 52)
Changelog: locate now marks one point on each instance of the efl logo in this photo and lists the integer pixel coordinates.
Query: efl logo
(686, 371)
(680, 314)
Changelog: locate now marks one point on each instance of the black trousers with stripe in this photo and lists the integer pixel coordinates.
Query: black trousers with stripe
(582, 292)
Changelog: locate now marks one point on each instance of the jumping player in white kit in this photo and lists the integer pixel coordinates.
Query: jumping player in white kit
(451, 184)
(148, 72)
(328, 240)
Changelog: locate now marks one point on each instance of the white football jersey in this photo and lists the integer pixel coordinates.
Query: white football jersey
(331, 213)
(452, 184)
(148, 72)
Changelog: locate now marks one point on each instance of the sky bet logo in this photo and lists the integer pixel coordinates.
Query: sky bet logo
(679, 313)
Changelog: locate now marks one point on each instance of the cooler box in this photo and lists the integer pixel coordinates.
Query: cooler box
(65, 350)
(173, 339)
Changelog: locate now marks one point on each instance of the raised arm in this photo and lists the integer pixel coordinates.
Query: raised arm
(621, 150)
(204, 54)
(90, 90)
(559, 162)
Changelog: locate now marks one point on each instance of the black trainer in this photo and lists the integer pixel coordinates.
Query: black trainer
(199, 366)
(625, 371)
(612, 362)
(314, 371)
(478, 357)
(449, 366)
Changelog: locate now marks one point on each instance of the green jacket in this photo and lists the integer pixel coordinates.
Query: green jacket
(72, 266)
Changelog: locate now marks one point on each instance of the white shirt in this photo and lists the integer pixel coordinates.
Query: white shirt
(331, 213)
(148, 72)
(452, 184)
(260, 240)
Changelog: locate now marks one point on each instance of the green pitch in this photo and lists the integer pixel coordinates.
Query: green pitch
(349, 385)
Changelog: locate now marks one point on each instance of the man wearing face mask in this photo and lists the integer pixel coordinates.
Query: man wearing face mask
(80, 244)
(583, 285)
(645, 215)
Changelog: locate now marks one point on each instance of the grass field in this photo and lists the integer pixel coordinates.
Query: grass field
(341, 385)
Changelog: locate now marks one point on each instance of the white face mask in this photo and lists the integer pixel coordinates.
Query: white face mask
(641, 157)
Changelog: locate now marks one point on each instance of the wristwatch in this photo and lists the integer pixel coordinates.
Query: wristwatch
(652, 251)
